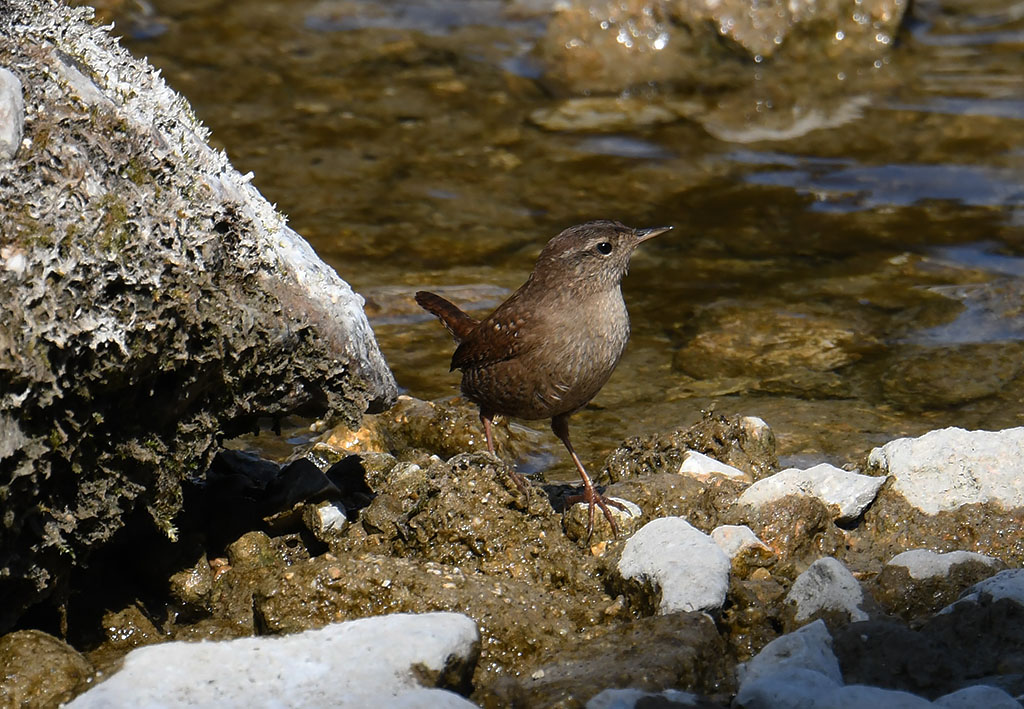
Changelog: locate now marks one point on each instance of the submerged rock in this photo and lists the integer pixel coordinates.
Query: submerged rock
(155, 302)
(415, 660)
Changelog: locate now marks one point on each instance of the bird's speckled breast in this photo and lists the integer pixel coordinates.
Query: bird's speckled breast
(583, 341)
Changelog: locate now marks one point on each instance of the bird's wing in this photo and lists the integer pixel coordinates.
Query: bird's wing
(458, 323)
(498, 338)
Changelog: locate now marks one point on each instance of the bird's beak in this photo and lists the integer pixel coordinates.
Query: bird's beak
(651, 232)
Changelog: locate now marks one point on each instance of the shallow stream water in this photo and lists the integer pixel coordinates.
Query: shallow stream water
(848, 258)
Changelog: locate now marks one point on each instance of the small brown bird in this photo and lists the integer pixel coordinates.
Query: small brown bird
(548, 349)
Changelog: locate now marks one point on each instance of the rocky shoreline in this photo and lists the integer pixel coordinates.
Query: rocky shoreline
(737, 583)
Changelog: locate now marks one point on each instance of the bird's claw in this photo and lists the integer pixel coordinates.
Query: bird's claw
(595, 499)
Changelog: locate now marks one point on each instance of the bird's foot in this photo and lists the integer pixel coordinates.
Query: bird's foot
(595, 499)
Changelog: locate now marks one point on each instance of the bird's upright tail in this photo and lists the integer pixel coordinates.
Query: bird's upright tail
(458, 323)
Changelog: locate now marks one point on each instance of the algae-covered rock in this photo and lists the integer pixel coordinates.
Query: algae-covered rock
(39, 670)
(154, 302)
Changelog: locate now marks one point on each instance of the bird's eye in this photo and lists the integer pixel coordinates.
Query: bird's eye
(604, 248)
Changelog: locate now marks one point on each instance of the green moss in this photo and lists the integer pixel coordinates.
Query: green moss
(113, 231)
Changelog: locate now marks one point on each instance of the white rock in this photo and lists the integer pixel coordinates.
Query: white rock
(1006, 584)
(791, 688)
(628, 698)
(12, 114)
(925, 563)
(735, 539)
(949, 468)
(689, 568)
(697, 465)
(809, 648)
(980, 695)
(827, 585)
(361, 663)
(859, 696)
(851, 492)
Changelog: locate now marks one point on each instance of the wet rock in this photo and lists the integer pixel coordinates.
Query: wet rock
(191, 587)
(577, 519)
(743, 442)
(12, 114)
(919, 582)
(597, 45)
(674, 495)
(518, 619)
(681, 650)
(468, 512)
(827, 590)
(440, 428)
(606, 46)
(752, 613)
(702, 467)
(949, 468)
(797, 528)
(169, 305)
(742, 546)
(399, 658)
(848, 492)
(129, 628)
(671, 566)
(893, 525)
(1008, 584)
(39, 670)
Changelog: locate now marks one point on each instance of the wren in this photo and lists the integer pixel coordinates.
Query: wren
(547, 350)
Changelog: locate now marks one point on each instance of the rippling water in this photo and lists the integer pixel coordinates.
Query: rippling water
(847, 256)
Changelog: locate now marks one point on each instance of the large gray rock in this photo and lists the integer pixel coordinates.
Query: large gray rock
(946, 469)
(154, 302)
(394, 660)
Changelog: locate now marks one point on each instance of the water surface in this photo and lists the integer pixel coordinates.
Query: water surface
(851, 273)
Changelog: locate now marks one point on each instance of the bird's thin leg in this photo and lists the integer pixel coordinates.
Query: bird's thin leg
(516, 477)
(560, 426)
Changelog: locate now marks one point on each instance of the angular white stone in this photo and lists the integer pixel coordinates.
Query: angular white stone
(851, 492)
(951, 467)
(700, 466)
(827, 585)
(735, 539)
(689, 568)
(361, 663)
(925, 563)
